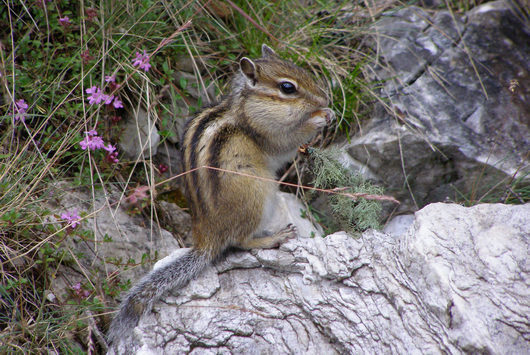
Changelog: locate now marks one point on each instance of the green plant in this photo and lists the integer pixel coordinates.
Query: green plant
(348, 214)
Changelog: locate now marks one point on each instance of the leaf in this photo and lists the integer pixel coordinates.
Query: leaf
(183, 83)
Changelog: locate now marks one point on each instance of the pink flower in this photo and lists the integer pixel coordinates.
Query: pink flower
(112, 157)
(107, 99)
(117, 103)
(65, 21)
(110, 78)
(142, 60)
(139, 194)
(20, 109)
(71, 217)
(96, 96)
(92, 141)
(79, 291)
(110, 148)
(162, 168)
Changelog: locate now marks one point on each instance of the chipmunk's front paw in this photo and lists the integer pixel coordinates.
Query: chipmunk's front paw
(322, 117)
(285, 234)
(289, 232)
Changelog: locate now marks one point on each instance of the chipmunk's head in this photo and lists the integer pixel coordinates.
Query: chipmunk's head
(280, 96)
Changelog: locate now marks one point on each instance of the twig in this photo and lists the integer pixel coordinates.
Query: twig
(354, 196)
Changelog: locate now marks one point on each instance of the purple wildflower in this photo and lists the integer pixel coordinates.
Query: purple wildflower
(79, 291)
(142, 60)
(110, 148)
(71, 217)
(20, 109)
(117, 103)
(162, 168)
(113, 157)
(110, 78)
(107, 99)
(65, 21)
(92, 141)
(96, 96)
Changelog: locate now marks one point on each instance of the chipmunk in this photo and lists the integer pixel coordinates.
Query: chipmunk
(273, 107)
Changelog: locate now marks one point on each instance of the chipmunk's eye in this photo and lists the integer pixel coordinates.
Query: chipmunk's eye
(287, 87)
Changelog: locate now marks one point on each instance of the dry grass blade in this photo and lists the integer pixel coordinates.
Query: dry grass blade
(251, 20)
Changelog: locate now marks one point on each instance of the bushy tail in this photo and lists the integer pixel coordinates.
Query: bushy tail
(150, 288)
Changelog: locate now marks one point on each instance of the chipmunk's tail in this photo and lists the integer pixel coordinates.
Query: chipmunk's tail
(150, 288)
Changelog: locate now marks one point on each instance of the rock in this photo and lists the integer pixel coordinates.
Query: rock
(399, 225)
(140, 136)
(176, 220)
(169, 155)
(432, 3)
(118, 237)
(194, 87)
(289, 211)
(460, 132)
(456, 282)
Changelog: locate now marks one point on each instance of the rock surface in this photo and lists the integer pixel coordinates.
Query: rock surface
(115, 237)
(140, 136)
(457, 119)
(118, 237)
(457, 281)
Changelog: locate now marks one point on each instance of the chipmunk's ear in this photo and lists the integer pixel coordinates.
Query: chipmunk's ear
(249, 69)
(267, 52)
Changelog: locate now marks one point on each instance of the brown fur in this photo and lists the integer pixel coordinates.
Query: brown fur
(255, 130)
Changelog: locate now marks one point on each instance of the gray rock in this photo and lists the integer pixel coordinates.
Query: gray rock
(140, 138)
(460, 131)
(118, 237)
(194, 87)
(456, 282)
(289, 211)
(176, 220)
(399, 225)
(169, 155)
